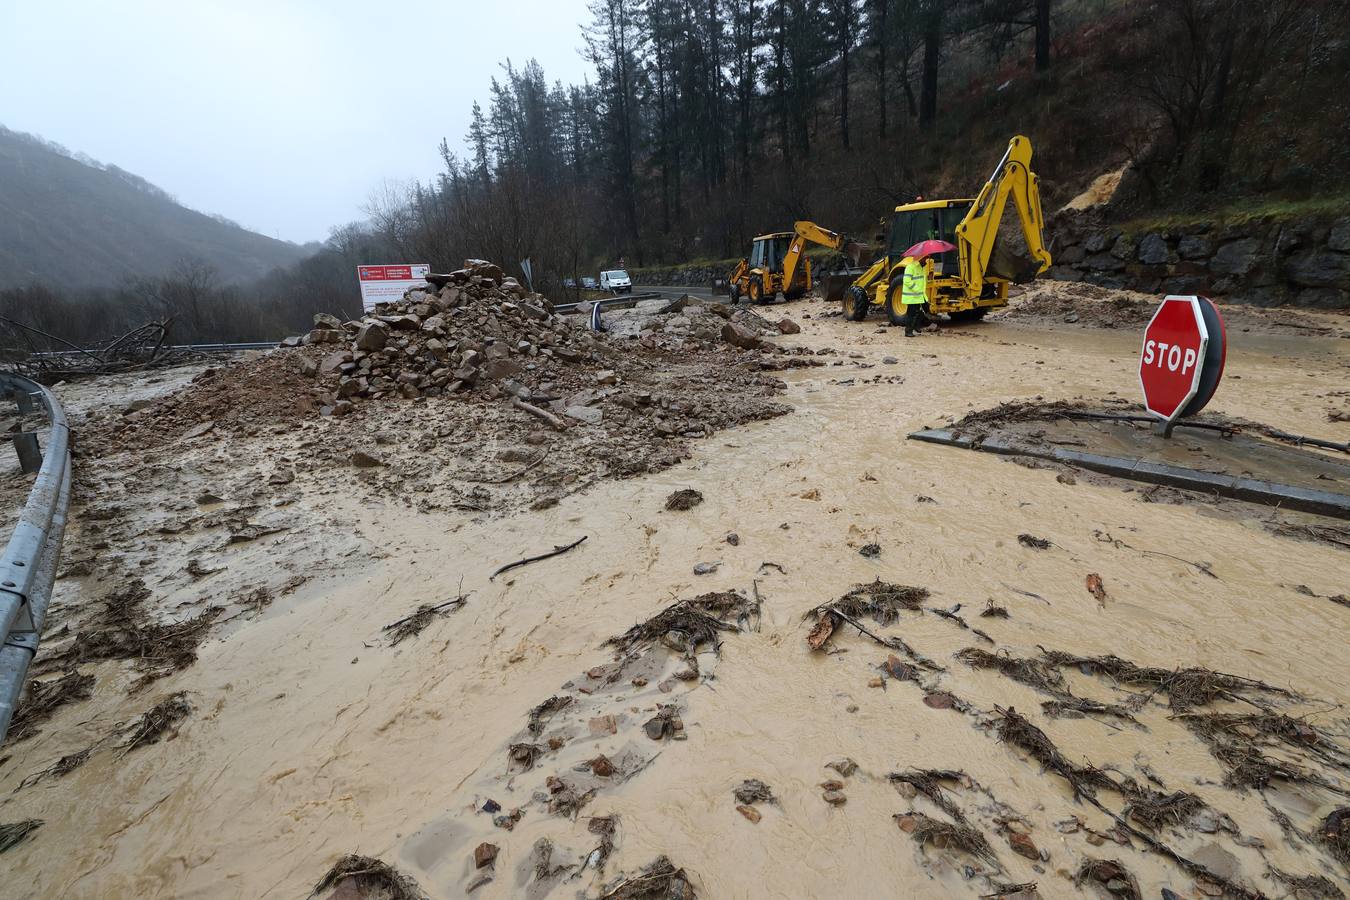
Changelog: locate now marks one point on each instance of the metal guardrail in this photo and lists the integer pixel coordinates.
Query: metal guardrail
(28, 566)
(603, 302)
(196, 348)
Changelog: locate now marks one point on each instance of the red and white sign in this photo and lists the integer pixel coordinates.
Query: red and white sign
(383, 284)
(1182, 359)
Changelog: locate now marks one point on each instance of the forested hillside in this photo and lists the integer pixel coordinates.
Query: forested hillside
(711, 121)
(71, 221)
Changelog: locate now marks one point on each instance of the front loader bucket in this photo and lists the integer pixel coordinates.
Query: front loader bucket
(835, 283)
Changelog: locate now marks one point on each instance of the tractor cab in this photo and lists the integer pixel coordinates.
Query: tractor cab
(931, 220)
(768, 251)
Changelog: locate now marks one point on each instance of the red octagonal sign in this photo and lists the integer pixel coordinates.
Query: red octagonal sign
(1182, 358)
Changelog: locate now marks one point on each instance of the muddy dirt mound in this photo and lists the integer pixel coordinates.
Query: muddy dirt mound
(1092, 306)
(237, 399)
(480, 338)
(478, 453)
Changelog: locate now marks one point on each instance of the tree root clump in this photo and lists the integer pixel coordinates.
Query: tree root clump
(941, 835)
(370, 876)
(1105, 872)
(696, 622)
(659, 881)
(881, 600)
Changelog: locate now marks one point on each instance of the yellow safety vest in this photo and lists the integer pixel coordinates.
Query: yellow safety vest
(915, 285)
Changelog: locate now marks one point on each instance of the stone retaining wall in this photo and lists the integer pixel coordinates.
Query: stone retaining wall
(697, 276)
(1264, 262)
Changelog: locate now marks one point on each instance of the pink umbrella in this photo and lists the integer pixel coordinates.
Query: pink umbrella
(928, 248)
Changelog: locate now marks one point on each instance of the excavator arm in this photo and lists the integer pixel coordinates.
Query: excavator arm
(976, 234)
(807, 231)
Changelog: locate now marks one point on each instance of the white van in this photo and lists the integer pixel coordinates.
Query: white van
(616, 281)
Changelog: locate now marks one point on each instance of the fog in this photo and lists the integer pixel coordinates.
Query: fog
(283, 116)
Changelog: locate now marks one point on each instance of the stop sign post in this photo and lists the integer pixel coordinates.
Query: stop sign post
(1182, 359)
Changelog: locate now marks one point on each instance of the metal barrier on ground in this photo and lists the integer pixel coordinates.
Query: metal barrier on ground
(28, 566)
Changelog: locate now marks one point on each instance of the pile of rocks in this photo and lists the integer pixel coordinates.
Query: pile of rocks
(691, 323)
(476, 330)
(472, 328)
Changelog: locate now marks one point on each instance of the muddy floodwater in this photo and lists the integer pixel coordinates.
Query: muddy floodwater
(311, 735)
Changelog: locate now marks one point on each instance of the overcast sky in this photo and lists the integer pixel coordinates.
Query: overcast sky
(283, 115)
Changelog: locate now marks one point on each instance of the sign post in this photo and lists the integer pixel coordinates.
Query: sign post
(385, 284)
(1182, 359)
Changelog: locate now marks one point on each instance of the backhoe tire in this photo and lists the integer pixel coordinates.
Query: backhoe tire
(756, 293)
(793, 295)
(734, 292)
(855, 304)
(970, 315)
(895, 310)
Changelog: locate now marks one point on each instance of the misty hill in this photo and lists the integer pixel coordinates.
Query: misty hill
(67, 219)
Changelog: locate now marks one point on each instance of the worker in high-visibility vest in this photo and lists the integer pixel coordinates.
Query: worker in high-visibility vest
(914, 292)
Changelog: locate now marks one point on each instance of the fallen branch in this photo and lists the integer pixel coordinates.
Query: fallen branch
(519, 472)
(1026, 593)
(412, 624)
(538, 413)
(556, 551)
(423, 610)
(894, 643)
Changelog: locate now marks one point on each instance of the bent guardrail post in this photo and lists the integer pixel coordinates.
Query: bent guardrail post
(28, 565)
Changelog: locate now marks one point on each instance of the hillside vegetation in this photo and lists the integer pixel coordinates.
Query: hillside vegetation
(67, 221)
(711, 122)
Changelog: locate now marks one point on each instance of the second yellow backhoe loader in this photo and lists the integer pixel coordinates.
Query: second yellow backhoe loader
(777, 263)
(967, 282)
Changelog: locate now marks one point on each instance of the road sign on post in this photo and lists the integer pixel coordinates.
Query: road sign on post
(385, 284)
(1182, 359)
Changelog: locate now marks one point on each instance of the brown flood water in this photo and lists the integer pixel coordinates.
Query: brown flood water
(312, 739)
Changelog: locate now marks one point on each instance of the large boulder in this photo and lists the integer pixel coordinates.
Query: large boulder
(371, 336)
(1193, 246)
(333, 362)
(739, 336)
(1236, 257)
(1339, 236)
(1153, 250)
(1070, 255)
(1123, 248)
(1319, 269)
(327, 320)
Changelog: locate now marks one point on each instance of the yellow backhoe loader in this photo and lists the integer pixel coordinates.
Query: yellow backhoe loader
(778, 265)
(967, 282)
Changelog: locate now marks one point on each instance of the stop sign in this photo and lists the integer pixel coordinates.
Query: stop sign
(1182, 358)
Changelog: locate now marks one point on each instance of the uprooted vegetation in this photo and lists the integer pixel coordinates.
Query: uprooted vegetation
(368, 877)
(158, 721)
(14, 833)
(689, 624)
(660, 880)
(1239, 741)
(44, 698)
(1186, 688)
(125, 631)
(880, 600)
(940, 835)
(1111, 875)
(413, 625)
(1044, 677)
